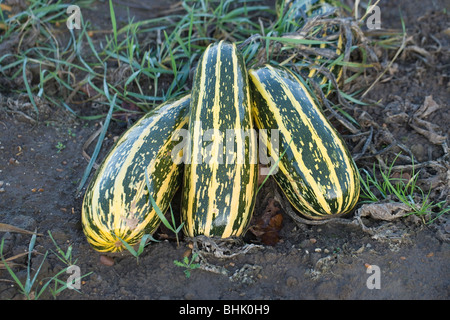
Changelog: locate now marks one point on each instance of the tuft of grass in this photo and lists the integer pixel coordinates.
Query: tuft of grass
(142, 244)
(28, 287)
(63, 256)
(72, 67)
(31, 288)
(384, 186)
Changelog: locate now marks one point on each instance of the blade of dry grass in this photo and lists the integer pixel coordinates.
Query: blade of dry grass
(10, 260)
(4, 227)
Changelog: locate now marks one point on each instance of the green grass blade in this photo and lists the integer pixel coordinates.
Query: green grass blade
(99, 143)
(11, 272)
(27, 86)
(129, 247)
(155, 206)
(113, 22)
(294, 41)
(37, 272)
(28, 282)
(273, 167)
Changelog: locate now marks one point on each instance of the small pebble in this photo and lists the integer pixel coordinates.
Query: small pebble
(291, 281)
(189, 296)
(107, 261)
(187, 253)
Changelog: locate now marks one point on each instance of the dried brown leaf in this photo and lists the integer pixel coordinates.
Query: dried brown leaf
(428, 107)
(384, 211)
(426, 128)
(268, 225)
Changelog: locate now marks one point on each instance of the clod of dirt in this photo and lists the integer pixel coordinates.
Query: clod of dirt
(24, 111)
(221, 248)
(322, 266)
(247, 274)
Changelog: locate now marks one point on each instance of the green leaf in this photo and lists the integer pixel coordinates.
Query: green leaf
(178, 263)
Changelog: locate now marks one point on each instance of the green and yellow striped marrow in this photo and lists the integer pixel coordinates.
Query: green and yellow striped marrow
(316, 173)
(298, 10)
(304, 8)
(221, 173)
(116, 203)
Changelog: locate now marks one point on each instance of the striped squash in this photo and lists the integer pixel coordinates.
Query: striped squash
(301, 8)
(317, 172)
(116, 203)
(220, 176)
(298, 10)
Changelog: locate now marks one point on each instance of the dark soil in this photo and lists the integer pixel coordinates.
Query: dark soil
(38, 182)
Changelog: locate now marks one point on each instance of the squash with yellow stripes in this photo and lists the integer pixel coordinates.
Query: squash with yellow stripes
(220, 174)
(298, 10)
(316, 173)
(304, 8)
(116, 203)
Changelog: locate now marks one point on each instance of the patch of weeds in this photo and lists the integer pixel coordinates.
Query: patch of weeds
(66, 70)
(28, 288)
(70, 133)
(66, 258)
(60, 146)
(189, 265)
(399, 187)
(33, 289)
